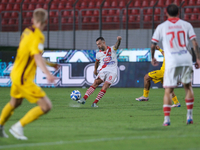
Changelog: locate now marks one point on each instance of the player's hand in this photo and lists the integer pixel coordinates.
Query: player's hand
(154, 62)
(95, 72)
(51, 78)
(157, 47)
(119, 38)
(197, 64)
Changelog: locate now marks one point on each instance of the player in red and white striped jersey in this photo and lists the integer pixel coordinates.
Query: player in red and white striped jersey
(175, 35)
(106, 61)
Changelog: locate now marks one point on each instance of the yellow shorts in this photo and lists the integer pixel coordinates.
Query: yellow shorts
(30, 91)
(157, 76)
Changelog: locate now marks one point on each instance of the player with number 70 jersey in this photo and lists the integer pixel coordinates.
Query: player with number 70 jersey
(175, 34)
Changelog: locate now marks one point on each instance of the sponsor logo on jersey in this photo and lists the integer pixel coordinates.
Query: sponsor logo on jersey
(180, 52)
(107, 59)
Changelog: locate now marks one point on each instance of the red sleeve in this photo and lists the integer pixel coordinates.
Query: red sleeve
(154, 40)
(193, 36)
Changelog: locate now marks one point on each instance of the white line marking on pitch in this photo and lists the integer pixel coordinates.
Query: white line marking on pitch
(91, 141)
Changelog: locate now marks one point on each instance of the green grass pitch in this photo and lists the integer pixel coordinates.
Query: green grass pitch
(119, 123)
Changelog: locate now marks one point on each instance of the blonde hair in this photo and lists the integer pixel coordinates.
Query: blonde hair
(40, 15)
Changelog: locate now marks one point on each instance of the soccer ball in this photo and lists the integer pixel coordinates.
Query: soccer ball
(75, 95)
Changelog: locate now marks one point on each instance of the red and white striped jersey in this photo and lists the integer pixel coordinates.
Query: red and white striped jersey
(175, 35)
(107, 59)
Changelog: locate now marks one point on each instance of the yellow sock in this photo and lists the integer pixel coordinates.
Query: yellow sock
(31, 115)
(6, 113)
(146, 93)
(175, 100)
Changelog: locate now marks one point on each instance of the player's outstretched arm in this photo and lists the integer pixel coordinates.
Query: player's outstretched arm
(40, 63)
(154, 62)
(55, 65)
(116, 46)
(96, 66)
(197, 52)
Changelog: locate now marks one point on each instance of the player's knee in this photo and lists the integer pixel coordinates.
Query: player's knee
(187, 86)
(106, 86)
(47, 107)
(96, 83)
(18, 103)
(45, 104)
(168, 91)
(146, 77)
(15, 102)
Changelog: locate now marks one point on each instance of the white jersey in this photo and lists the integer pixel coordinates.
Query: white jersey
(107, 59)
(175, 34)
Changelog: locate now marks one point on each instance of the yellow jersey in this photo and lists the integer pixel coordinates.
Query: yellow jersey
(32, 43)
(163, 65)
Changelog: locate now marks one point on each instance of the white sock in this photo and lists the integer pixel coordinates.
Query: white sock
(18, 124)
(166, 119)
(189, 113)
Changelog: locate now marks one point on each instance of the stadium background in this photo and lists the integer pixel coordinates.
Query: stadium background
(120, 122)
(75, 24)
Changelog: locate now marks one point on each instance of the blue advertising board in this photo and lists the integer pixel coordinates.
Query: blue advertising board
(77, 68)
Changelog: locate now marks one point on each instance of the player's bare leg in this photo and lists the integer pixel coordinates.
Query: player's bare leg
(106, 85)
(175, 100)
(7, 112)
(44, 106)
(189, 99)
(91, 89)
(167, 105)
(147, 84)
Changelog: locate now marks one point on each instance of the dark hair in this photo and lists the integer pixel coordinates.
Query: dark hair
(100, 38)
(172, 10)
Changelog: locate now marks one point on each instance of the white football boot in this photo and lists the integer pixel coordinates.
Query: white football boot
(18, 131)
(176, 105)
(142, 98)
(94, 105)
(81, 101)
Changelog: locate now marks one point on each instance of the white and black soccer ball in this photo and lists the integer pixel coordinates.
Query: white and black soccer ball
(75, 95)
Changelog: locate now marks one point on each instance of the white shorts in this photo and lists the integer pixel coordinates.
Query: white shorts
(107, 76)
(173, 76)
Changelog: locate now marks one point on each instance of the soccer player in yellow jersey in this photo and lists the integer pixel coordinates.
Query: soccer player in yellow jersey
(29, 56)
(156, 76)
